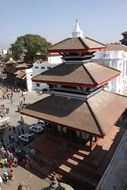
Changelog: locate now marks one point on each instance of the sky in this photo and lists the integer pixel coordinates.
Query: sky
(103, 20)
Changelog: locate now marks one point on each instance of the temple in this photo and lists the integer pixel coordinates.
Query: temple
(83, 120)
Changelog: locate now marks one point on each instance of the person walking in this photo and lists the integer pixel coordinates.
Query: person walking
(22, 120)
(2, 141)
(22, 130)
(5, 177)
(11, 175)
(24, 98)
(14, 129)
(9, 136)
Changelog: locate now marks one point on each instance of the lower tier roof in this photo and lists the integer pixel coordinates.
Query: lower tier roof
(95, 116)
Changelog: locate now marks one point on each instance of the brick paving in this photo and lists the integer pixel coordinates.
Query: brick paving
(22, 175)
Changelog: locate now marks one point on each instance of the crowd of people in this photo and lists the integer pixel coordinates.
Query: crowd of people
(8, 93)
(12, 151)
(10, 159)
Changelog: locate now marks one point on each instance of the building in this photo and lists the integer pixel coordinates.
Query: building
(115, 56)
(15, 74)
(39, 67)
(82, 118)
(124, 40)
(54, 58)
(3, 52)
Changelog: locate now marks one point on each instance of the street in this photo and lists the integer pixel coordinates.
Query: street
(30, 180)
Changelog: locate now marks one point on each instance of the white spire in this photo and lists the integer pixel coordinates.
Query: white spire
(77, 31)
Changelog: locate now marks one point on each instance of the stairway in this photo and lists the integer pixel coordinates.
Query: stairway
(73, 163)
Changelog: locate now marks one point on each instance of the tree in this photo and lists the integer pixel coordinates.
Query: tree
(29, 46)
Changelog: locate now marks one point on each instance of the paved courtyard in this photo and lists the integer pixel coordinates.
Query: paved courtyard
(22, 175)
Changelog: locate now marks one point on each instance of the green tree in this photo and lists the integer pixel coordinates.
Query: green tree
(29, 46)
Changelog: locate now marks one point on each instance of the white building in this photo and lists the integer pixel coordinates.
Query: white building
(39, 67)
(54, 58)
(115, 56)
(3, 52)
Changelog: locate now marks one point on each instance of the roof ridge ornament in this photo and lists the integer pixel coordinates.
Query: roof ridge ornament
(77, 31)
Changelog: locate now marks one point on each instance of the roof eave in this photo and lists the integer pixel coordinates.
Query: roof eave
(66, 83)
(75, 50)
(49, 121)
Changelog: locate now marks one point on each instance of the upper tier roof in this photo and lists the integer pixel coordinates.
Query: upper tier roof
(89, 74)
(96, 115)
(78, 44)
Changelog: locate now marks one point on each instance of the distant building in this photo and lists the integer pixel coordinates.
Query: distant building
(3, 52)
(115, 56)
(39, 67)
(55, 58)
(15, 74)
(124, 40)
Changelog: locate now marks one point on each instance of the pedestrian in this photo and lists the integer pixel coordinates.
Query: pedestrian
(15, 162)
(14, 130)
(9, 136)
(5, 177)
(20, 187)
(11, 101)
(21, 103)
(22, 130)
(19, 133)
(7, 110)
(11, 175)
(24, 98)
(21, 119)
(13, 139)
(2, 141)
(1, 181)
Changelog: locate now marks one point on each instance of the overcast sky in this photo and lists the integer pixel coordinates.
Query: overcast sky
(103, 20)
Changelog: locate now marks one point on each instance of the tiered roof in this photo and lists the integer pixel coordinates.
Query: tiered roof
(79, 44)
(95, 115)
(90, 74)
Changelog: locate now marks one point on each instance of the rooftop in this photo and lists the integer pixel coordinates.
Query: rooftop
(80, 44)
(96, 115)
(85, 74)
(116, 47)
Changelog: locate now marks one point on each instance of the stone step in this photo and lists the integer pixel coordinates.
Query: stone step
(87, 160)
(81, 167)
(76, 175)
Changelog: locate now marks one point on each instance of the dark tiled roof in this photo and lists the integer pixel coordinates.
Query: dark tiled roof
(76, 44)
(96, 115)
(90, 73)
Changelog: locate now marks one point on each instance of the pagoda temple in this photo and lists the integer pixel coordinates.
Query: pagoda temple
(83, 120)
